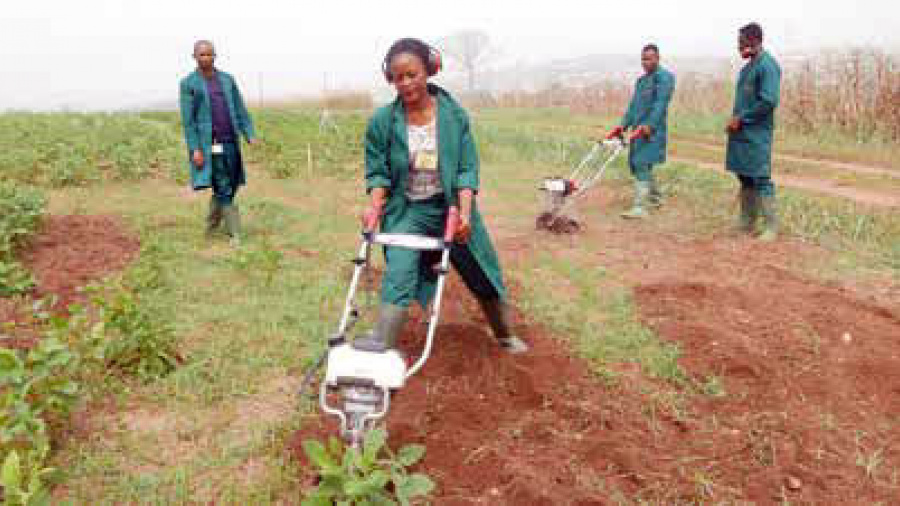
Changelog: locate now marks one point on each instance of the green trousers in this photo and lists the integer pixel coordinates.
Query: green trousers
(763, 185)
(410, 274)
(642, 172)
(225, 168)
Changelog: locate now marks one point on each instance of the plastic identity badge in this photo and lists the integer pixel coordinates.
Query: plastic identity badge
(426, 160)
(217, 149)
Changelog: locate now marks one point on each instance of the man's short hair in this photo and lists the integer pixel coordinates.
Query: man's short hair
(651, 47)
(752, 31)
(204, 42)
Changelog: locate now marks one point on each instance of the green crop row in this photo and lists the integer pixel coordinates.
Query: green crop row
(21, 210)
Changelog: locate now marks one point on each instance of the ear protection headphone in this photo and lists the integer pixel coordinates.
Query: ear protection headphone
(433, 64)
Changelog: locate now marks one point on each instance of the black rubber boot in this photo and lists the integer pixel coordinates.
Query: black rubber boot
(497, 313)
(749, 210)
(641, 194)
(770, 218)
(214, 217)
(383, 337)
(655, 199)
(233, 223)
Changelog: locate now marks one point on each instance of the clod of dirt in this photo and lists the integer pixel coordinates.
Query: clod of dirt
(557, 224)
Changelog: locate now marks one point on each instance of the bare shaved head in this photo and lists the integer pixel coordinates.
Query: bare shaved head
(200, 44)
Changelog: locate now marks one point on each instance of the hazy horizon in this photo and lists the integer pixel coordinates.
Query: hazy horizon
(106, 54)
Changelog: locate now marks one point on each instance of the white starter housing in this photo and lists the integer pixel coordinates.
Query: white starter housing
(385, 370)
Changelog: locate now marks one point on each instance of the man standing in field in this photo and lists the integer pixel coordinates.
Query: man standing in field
(749, 153)
(213, 115)
(647, 117)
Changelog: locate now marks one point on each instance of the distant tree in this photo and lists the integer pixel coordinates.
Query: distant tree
(470, 49)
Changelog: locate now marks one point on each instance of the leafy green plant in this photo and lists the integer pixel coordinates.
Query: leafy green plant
(139, 343)
(21, 211)
(136, 337)
(371, 476)
(24, 480)
(36, 388)
(14, 279)
(265, 259)
(72, 149)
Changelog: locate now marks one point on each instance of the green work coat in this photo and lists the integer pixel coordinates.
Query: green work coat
(756, 96)
(650, 106)
(457, 161)
(196, 119)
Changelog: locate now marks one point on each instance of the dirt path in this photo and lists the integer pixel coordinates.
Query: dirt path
(857, 168)
(822, 186)
(802, 380)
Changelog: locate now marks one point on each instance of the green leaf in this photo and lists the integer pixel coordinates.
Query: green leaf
(410, 454)
(335, 447)
(11, 474)
(416, 485)
(317, 499)
(373, 444)
(351, 459)
(379, 479)
(317, 454)
(366, 487)
(332, 485)
(11, 366)
(382, 500)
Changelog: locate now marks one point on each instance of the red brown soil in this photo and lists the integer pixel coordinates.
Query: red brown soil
(499, 429)
(75, 250)
(808, 410)
(68, 253)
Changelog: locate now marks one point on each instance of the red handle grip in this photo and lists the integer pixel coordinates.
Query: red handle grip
(637, 133)
(452, 224)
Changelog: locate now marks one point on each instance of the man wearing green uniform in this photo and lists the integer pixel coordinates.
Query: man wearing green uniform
(647, 116)
(421, 160)
(214, 116)
(749, 153)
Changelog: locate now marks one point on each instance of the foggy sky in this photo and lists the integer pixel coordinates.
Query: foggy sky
(120, 53)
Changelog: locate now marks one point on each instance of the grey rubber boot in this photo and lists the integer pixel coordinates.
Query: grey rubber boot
(655, 198)
(641, 192)
(214, 217)
(749, 209)
(232, 217)
(770, 218)
(383, 337)
(497, 313)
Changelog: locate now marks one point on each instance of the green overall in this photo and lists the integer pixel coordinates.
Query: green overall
(649, 106)
(409, 275)
(224, 173)
(756, 96)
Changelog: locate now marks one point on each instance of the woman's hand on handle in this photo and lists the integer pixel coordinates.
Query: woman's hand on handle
(372, 215)
(464, 228)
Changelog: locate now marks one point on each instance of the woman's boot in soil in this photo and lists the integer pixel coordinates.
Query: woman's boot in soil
(497, 313)
(391, 320)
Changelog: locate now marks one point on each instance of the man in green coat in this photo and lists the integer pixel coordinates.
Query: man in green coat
(647, 117)
(749, 153)
(214, 116)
